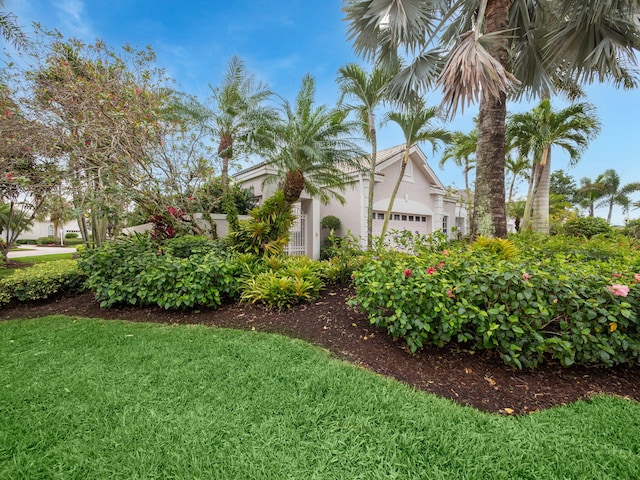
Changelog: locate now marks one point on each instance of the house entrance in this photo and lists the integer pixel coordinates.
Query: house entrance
(297, 245)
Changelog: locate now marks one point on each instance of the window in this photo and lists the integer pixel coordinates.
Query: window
(424, 219)
(404, 218)
(50, 230)
(381, 216)
(445, 224)
(396, 216)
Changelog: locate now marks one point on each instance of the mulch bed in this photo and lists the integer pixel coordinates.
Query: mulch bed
(478, 379)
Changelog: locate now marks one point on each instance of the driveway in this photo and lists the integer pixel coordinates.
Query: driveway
(34, 250)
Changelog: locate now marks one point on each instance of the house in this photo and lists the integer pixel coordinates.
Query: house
(422, 203)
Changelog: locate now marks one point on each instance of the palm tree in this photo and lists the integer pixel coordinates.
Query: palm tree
(314, 150)
(534, 134)
(369, 91)
(462, 151)
(416, 125)
(517, 168)
(240, 119)
(613, 193)
(10, 30)
(483, 50)
(588, 194)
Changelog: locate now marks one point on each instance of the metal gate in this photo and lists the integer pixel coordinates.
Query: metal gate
(297, 245)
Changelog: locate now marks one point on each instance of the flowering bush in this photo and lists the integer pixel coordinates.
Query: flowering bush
(529, 310)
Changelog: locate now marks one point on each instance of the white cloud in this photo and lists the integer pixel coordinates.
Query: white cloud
(71, 18)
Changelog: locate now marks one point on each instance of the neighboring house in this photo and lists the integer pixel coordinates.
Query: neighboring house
(45, 229)
(422, 203)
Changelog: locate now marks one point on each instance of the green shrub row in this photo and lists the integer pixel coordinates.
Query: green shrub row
(42, 281)
(188, 272)
(528, 311)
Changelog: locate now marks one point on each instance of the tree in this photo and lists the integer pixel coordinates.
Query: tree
(57, 208)
(416, 124)
(483, 50)
(314, 150)
(240, 121)
(588, 194)
(613, 193)
(517, 167)
(105, 111)
(462, 151)
(534, 134)
(563, 185)
(369, 91)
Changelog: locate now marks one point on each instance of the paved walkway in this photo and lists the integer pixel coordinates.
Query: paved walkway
(33, 250)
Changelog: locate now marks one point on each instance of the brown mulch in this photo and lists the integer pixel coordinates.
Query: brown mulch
(479, 379)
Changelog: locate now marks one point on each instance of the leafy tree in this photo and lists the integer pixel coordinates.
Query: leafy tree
(105, 110)
(563, 185)
(314, 150)
(417, 127)
(369, 91)
(483, 50)
(57, 208)
(613, 193)
(534, 134)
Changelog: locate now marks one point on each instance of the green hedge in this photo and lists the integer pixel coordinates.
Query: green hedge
(528, 310)
(42, 281)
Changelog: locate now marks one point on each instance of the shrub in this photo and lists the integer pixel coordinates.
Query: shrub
(267, 231)
(71, 235)
(529, 310)
(331, 222)
(632, 228)
(498, 247)
(42, 281)
(48, 241)
(189, 245)
(288, 281)
(26, 241)
(135, 270)
(586, 227)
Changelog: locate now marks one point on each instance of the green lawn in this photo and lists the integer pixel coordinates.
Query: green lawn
(101, 399)
(5, 272)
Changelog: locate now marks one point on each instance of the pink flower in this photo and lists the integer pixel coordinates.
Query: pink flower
(526, 276)
(445, 252)
(407, 273)
(616, 275)
(450, 294)
(440, 265)
(637, 277)
(431, 271)
(618, 290)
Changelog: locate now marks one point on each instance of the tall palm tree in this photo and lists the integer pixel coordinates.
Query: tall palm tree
(462, 151)
(314, 150)
(484, 50)
(416, 125)
(534, 134)
(240, 120)
(369, 91)
(613, 192)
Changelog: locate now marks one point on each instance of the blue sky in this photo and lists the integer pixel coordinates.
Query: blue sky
(280, 41)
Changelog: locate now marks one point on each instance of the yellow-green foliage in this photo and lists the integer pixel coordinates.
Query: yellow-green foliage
(42, 281)
(499, 247)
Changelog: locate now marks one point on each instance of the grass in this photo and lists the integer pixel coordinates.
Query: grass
(6, 272)
(103, 399)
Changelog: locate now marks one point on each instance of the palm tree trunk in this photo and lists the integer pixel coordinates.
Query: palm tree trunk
(489, 215)
(526, 217)
(372, 179)
(541, 195)
(405, 160)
